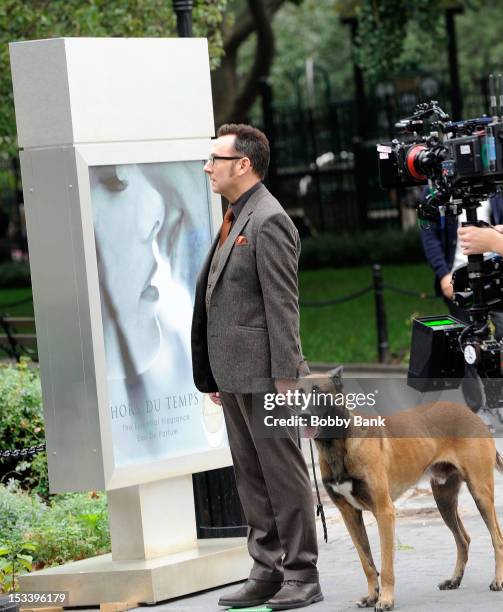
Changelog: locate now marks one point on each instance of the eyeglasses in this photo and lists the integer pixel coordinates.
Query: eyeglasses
(212, 158)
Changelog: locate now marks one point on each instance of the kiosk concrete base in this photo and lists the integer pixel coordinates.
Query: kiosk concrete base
(209, 564)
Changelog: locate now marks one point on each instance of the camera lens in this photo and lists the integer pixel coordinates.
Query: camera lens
(416, 160)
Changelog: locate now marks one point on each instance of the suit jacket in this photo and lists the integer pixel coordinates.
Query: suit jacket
(250, 332)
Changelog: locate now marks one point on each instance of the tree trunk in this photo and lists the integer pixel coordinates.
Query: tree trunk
(231, 99)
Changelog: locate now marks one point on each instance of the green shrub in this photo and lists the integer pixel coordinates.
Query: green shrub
(14, 560)
(71, 526)
(22, 425)
(19, 511)
(74, 527)
(33, 530)
(362, 248)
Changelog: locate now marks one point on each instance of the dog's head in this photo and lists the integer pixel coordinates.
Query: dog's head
(322, 396)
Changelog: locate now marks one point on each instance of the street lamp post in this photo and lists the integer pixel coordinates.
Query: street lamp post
(452, 55)
(361, 127)
(183, 10)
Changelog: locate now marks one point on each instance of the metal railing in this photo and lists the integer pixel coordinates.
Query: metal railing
(18, 337)
(378, 287)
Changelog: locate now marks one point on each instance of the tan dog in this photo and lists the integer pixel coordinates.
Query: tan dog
(367, 468)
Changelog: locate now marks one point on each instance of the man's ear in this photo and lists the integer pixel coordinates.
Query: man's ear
(244, 165)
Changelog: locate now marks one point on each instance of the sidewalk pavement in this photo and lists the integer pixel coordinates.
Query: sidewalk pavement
(425, 555)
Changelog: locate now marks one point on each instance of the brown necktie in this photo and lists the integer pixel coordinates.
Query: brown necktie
(226, 226)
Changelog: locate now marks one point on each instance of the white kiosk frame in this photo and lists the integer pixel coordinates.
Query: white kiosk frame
(68, 313)
(82, 103)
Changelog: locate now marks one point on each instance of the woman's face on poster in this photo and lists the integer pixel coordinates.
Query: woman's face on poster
(128, 213)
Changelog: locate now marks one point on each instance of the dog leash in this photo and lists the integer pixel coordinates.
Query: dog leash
(319, 508)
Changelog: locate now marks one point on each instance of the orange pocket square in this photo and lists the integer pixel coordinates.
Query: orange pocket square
(240, 240)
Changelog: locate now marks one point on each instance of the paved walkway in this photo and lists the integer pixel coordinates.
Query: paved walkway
(425, 556)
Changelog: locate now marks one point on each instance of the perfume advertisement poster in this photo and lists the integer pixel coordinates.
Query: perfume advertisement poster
(152, 233)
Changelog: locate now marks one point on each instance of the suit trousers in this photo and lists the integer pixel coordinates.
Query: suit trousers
(275, 492)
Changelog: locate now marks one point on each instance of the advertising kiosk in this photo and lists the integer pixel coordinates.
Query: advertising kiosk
(114, 134)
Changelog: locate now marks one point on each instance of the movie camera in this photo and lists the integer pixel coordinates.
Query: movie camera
(461, 162)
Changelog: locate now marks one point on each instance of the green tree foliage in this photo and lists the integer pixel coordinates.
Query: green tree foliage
(412, 37)
(382, 30)
(311, 30)
(406, 36)
(395, 38)
(38, 19)
(480, 41)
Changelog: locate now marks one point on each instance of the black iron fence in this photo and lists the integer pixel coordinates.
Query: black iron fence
(325, 171)
(18, 336)
(13, 241)
(323, 168)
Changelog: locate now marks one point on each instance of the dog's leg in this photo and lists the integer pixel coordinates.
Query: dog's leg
(481, 486)
(446, 496)
(354, 523)
(384, 511)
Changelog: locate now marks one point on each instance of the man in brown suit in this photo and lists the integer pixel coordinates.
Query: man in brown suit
(245, 331)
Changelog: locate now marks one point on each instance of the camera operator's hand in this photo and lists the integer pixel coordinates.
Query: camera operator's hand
(477, 240)
(446, 286)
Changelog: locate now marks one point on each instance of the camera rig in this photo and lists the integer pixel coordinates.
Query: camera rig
(461, 163)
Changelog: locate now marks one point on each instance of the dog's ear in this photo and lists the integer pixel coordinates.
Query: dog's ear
(336, 376)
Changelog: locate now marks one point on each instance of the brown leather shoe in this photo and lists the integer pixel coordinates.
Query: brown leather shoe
(295, 594)
(252, 593)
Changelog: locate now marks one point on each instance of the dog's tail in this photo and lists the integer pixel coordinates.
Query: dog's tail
(499, 462)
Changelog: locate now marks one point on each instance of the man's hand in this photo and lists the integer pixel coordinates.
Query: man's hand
(283, 385)
(477, 240)
(215, 398)
(499, 228)
(446, 286)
